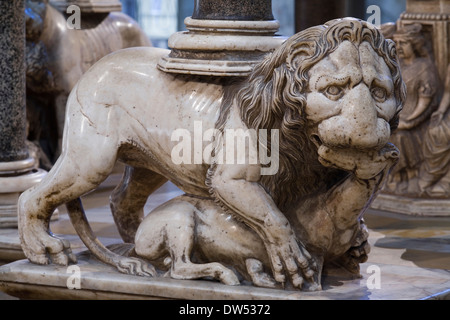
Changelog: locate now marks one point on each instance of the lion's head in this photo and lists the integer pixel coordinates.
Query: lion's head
(336, 86)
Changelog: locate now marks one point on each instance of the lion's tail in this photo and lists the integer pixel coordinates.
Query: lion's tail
(86, 234)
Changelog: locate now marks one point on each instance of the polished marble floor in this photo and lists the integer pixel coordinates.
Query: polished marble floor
(413, 243)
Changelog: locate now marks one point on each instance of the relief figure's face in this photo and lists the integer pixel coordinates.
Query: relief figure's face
(405, 49)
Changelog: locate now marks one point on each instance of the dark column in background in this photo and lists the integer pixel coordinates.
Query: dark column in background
(310, 13)
(12, 84)
(233, 10)
(17, 168)
(356, 9)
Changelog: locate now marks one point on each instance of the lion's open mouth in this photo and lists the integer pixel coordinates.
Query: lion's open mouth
(316, 140)
(364, 163)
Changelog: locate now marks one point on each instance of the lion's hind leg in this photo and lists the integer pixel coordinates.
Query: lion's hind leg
(87, 159)
(69, 179)
(169, 230)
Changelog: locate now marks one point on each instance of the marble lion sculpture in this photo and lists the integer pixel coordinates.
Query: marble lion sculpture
(333, 93)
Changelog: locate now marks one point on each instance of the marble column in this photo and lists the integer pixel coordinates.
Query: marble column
(233, 10)
(224, 38)
(18, 170)
(311, 13)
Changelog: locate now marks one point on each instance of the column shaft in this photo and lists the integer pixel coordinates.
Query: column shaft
(233, 10)
(12, 84)
(311, 13)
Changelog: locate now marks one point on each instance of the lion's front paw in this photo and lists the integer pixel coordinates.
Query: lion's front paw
(41, 247)
(290, 259)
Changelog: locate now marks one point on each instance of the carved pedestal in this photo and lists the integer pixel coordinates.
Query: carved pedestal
(92, 280)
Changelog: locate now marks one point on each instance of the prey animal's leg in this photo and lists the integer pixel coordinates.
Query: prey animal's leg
(358, 252)
(129, 197)
(169, 230)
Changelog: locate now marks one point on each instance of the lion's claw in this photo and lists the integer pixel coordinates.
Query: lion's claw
(294, 261)
(42, 247)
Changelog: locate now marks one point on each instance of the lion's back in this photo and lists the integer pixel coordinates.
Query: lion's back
(130, 80)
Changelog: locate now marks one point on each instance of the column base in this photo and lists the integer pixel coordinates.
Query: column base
(220, 47)
(412, 206)
(15, 178)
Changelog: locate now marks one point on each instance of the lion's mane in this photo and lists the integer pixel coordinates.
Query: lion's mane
(274, 97)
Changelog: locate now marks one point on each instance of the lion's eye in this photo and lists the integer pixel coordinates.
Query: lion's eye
(333, 92)
(379, 94)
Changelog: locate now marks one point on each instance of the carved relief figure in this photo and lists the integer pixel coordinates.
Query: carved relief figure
(435, 170)
(333, 92)
(423, 87)
(57, 57)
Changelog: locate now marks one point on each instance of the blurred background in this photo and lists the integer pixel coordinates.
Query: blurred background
(161, 18)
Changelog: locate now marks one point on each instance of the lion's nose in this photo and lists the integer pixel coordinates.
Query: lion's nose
(358, 125)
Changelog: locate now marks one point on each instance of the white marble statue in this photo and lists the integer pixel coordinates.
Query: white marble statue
(57, 56)
(327, 100)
